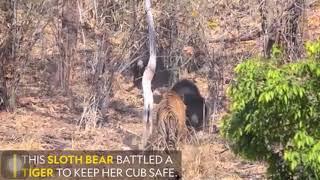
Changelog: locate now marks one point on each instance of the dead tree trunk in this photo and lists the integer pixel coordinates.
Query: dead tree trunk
(148, 76)
(293, 29)
(8, 75)
(282, 26)
(103, 76)
(70, 23)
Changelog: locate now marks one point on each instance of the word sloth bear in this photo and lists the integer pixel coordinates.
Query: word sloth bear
(181, 107)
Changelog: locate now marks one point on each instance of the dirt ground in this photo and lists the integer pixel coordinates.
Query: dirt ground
(46, 123)
(43, 122)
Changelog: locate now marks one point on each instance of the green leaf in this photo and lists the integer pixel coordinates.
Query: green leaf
(276, 108)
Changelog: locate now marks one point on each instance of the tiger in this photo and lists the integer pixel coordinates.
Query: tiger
(171, 120)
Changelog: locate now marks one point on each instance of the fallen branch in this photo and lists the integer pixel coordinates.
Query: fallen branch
(247, 37)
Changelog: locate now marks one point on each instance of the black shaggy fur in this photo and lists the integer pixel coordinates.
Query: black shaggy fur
(196, 112)
(196, 107)
(186, 87)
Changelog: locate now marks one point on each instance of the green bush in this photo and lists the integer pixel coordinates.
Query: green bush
(275, 116)
(313, 49)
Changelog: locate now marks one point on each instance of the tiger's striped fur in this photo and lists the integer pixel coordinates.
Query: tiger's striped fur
(171, 120)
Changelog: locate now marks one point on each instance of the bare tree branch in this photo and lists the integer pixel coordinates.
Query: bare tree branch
(148, 76)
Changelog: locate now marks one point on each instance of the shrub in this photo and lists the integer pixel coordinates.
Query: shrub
(313, 49)
(275, 116)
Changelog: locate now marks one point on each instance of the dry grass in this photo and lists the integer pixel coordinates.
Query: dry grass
(41, 124)
(215, 161)
(47, 122)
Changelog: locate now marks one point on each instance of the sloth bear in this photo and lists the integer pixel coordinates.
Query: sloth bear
(181, 108)
(197, 111)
